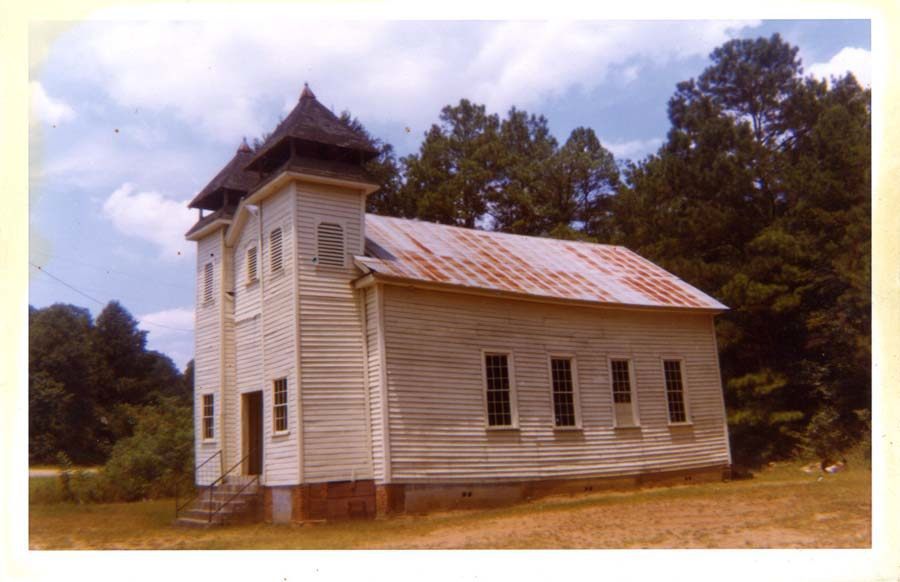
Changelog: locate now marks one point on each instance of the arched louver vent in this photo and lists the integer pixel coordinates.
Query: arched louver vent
(207, 283)
(331, 244)
(275, 250)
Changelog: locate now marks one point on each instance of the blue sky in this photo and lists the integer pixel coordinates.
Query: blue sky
(131, 118)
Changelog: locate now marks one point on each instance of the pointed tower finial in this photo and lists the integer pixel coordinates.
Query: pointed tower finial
(307, 92)
(244, 147)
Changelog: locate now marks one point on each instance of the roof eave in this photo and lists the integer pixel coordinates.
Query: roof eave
(195, 233)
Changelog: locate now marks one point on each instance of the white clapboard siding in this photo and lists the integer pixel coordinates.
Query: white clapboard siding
(374, 356)
(334, 400)
(433, 346)
(280, 454)
(207, 345)
(247, 331)
(230, 404)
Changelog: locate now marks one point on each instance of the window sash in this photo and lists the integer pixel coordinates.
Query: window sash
(280, 405)
(498, 390)
(208, 416)
(621, 381)
(564, 408)
(675, 391)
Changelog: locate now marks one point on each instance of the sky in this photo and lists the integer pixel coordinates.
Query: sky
(130, 118)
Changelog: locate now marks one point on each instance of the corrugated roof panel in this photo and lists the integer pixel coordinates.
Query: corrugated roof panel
(543, 267)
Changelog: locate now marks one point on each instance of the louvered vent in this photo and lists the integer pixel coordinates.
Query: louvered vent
(275, 249)
(207, 282)
(331, 244)
(251, 265)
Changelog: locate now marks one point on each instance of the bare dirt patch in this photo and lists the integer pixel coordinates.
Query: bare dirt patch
(780, 508)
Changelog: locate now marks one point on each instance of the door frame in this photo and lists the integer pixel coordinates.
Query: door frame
(252, 432)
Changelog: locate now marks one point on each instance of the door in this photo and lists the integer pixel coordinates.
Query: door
(252, 405)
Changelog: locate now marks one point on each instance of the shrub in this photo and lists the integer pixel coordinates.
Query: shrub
(149, 463)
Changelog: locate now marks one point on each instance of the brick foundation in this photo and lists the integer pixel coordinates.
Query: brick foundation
(331, 501)
(422, 498)
(365, 500)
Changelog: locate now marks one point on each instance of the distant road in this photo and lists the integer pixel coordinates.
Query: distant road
(54, 471)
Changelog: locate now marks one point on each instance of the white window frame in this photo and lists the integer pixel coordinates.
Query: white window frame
(343, 224)
(203, 417)
(211, 299)
(513, 393)
(286, 406)
(688, 419)
(576, 390)
(255, 249)
(635, 413)
(273, 272)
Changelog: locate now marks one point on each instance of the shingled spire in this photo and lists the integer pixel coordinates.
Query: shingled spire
(313, 133)
(230, 184)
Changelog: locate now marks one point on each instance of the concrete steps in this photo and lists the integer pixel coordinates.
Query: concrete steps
(235, 501)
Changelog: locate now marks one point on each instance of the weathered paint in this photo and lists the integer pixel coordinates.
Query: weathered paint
(333, 392)
(542, 267)
(208, 326)
(433, 346)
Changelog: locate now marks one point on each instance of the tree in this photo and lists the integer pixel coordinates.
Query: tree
(475, 169)
(456, 172)
(89, 381)
(63, 373)
(586, 179)
(523, 192)
(390, 199)
(760, 195)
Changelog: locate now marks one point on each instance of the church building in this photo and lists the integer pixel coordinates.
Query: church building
(354, 365)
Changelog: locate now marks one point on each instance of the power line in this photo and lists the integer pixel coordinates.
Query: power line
(108, 271)
(97, 301)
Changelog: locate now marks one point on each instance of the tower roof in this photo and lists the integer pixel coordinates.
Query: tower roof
(310, 121)
(232, 177)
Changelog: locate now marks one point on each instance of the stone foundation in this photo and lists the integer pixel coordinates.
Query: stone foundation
(365, 500)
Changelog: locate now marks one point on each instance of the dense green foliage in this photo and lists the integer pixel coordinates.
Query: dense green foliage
(150, 462)
(91, 382)
(760, 196)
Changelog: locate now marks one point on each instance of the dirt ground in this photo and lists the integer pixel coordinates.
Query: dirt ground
(779, 508)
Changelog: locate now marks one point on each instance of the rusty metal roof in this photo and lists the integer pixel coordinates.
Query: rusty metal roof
(542, 267)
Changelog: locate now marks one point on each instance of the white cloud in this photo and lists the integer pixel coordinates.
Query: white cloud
(855, 60)
(171, 332)
(236, 76)
(633, 149)
(47, 109)
(152, 217)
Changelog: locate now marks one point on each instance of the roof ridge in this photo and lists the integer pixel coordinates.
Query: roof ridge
(499, 232)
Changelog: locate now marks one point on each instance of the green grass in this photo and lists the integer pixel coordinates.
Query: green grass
(779, 507)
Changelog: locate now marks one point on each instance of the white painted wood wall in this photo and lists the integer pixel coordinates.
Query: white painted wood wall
(437, 433)
(208, 330)
(336, 444)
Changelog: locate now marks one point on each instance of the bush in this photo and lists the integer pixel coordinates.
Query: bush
(149, 463)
